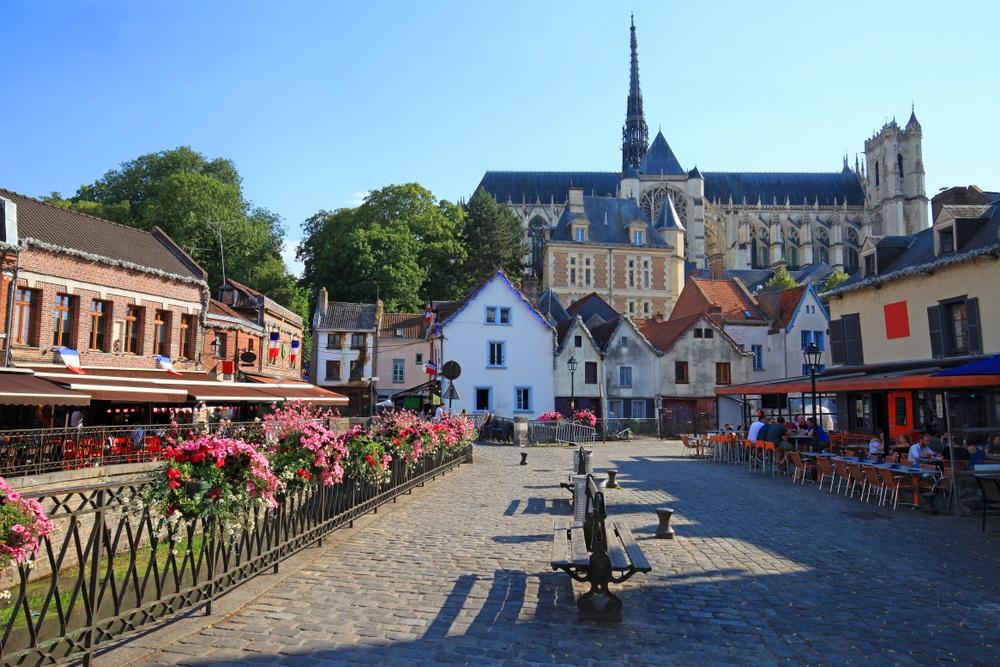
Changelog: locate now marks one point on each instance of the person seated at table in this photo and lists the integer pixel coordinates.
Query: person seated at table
(755, 429)
(775, 434)
(920, 450)
(876, 450)
(960, 453)
(800, 423)
(819, 434)
(978, 456)
(993, 448)
(728, 429)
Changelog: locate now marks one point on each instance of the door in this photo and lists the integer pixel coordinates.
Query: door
(900, 404)
(678, 417)
(880, 420)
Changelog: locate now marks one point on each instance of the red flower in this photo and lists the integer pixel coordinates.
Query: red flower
(370, 460)
(173, 473)
(220, 463)
(199, 456)
(303, 473)
(171, 510)
(174, 484)
(214, 493)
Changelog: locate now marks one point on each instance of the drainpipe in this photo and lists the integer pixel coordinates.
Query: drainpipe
(10, 309)
(611, 278)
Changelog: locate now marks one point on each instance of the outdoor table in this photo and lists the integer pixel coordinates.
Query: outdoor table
(916, 474)
(798, 439)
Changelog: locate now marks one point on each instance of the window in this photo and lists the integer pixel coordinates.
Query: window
(637, 237)
(723, 373)
(645, 273)
(398, 371)
(709, 333)
(645, 308)
(806, 338)
(870, 264)
(133, 329)
(615, 408)
(630, 274)
(681, 372)
(697, 333)
(590, 372)
(24, 316)
(418, 358)
(850, 259)
(483, 399)
(161, 332)
(572, 270)
(189, 330)
(577, 341)
(587, 278)
(955, 327)
(496, 354)
(332, 370)
(956, 324)
(845, 340)
(823, 255)
(579, 234)
(758, 357)
(219, 345)
(899, 165)
(625, 376)
(491, 314)
(638, 409)
(399, 332)
(946, 239)
(900, 405)
(99, 311)
(62, 321)
(357, 369)
(357, 341)
(334, 341)
(623, 341)
(876, 175)
(631, 307)
(820, 340)
(522, 399)
(504, 315)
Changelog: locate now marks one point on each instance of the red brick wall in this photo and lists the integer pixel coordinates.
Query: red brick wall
(236, 342)
(58, 268)
(282, 367)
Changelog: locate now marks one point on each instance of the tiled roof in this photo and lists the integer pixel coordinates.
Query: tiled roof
(61, 229)
(269, 303)
(222, 316)
(700, 295)
(769, 187)
(410, 325)
(341, 316)
(789, 300)
(660, 159)
(664, 334)
(546, 186)
(589, 306)
(609, 219)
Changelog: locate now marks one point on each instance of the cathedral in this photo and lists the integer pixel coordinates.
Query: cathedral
(727, 220)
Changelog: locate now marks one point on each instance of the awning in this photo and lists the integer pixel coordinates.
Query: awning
(21, 388)
(985, 366)
(862, 382)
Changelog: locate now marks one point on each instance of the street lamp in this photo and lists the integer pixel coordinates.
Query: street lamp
(572, 364)
(811, 355)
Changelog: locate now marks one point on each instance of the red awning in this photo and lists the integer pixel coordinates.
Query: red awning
(862, 382)
(21, 388)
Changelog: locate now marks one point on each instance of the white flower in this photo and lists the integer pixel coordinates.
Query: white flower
(5, 595)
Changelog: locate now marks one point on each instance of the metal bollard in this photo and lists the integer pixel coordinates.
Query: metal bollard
(524, 458)
(664, 531)
(612, 473)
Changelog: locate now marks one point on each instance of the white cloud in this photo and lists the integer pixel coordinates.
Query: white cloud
(357, 199)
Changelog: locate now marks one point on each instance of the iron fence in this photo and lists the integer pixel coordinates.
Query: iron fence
(560, 432)
(626, 429)
(108, 569)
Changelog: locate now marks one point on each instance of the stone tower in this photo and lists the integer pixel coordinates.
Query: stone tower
(895, 197)
(635, 134)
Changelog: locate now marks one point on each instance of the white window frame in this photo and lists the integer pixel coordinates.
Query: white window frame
(621, 377)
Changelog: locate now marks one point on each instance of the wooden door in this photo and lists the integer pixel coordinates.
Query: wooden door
(900, 407)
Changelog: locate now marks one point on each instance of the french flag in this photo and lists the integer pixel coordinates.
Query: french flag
(71, 358)
(431, 368)
(166, 364)
(274, 345)
(428, 317)
(295, 351)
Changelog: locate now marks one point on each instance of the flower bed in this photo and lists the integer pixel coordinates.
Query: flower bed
(301, 447)
(551, 416)
(585, 417)
(23, 526)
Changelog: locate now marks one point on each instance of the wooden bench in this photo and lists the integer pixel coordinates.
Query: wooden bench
(597, 552)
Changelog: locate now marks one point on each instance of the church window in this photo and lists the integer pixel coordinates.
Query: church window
(645, 273)
(793, 257)
(536, 230)
(572, 270)
(630, 274)
(586, 272)
(899, 165)
(822, 255)
(850, 260)
(876, 175)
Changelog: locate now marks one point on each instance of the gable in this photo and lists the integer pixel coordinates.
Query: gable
(809, 297)
(498, 290)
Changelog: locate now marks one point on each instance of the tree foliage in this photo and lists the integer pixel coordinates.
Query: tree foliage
(781, 279)
(493, 239)
(401, 245)
(834, 280)
(195, 199)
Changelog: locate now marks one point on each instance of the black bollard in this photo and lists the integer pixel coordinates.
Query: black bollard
(664, 531)
(612, 473)
(524, 458)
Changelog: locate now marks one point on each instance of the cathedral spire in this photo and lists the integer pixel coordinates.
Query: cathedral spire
(635, 134)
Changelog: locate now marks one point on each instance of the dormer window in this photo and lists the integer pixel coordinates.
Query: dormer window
(870, 265)
(579, 234)
(946, 240)
(637, 237)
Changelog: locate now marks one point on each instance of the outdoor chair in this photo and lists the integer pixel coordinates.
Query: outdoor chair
(857, 478)
(989, 487)
(874, 483)
(843, 474)
(894, 484)
(801, 467)
(824, 470)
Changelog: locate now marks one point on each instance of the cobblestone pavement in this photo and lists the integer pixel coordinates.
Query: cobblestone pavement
(762, 572)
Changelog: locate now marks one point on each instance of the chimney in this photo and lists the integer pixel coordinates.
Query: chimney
(717, 267)
(322, 300)
(8, 221)
(659, 316)
(576, 200)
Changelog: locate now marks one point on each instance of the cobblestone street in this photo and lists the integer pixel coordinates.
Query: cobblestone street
(762, 572)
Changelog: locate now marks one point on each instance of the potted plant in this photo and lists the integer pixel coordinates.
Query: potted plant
(23, 526)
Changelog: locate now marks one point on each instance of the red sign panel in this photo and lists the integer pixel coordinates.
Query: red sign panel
(897, 321)
(228, 366)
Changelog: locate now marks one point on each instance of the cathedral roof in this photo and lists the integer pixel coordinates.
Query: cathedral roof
(660, 159)
(796, 187)
(609, 219)
(545, 186)
(668, 218)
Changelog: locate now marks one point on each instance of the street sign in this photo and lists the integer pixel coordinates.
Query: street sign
(451, 393)
(451, 370)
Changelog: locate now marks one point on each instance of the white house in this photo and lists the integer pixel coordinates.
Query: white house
(631, 368)
(505, 348)
(345, 348)
(799, 318)
(585, 385)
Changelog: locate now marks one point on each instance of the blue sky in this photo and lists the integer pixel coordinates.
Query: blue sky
(319, 102)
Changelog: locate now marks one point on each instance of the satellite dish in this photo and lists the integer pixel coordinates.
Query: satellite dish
(451, 370)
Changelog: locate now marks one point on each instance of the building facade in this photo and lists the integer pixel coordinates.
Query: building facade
(631, 370)
(233, 342)
(580, 383)
(282, 355)
(798, 318)
(403, 352)
(506, 350)
(744, 220)
(345, 349)
(116, 295)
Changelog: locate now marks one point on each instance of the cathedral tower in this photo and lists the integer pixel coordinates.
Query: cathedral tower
(635, 134)
(894, 185)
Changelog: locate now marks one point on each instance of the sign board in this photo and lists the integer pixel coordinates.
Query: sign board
(247, 357)
(451, 393)
(451, 370)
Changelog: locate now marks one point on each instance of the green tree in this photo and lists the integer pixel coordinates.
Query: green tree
(493, 239)
(195, 200)
(781, 279)
(401, 245)
(834, 280)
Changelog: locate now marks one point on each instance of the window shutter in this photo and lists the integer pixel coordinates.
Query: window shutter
(853, 352)
(936, 331)
(975, 330)
(837, 350)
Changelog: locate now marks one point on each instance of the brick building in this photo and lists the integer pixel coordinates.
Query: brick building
(277, 321)
(120, 296)
(233, 342)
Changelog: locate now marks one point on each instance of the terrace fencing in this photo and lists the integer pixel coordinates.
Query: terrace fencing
(111, 567)
(564, 432)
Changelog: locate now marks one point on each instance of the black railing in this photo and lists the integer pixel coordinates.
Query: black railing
(111, 567)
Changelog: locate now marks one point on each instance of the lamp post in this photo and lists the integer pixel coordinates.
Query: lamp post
(812, 355)
(572, 364)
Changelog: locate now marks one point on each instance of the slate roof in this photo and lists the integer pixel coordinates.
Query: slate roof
(668, 218)
(550, 306)
(221, 315)
(660, 159)
(546, 186)
(918, 256)
(341, 316)
(411, 325)
(778, 186)
(602, 332)
(755, 279)
(61, 229)
(609, 219)
(474, 292)
(592, 305)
